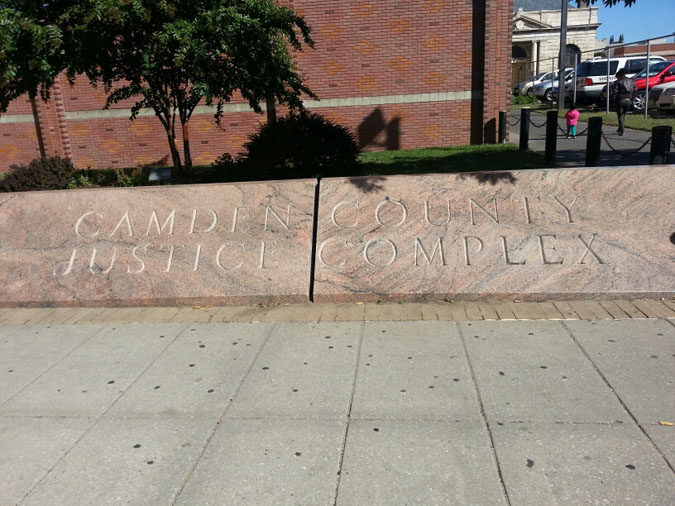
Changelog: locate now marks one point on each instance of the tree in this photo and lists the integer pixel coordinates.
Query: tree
(30, 51)
(167, 55)
(171, 54)
(31, 54)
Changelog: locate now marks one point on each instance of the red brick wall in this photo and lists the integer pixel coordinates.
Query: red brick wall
(365, 50)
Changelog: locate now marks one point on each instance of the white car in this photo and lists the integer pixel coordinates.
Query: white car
(662, 97)
(592, 74)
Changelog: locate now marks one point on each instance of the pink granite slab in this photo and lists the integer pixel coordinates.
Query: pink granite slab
(529, 235)
(202, 244)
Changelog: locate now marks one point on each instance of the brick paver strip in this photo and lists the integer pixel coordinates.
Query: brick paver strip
(431, 311)
(566, 310)
(226, 314)
(535, 310)
(308, 312)
(504, 311)
(19, 316)
(613, 309)
(520, 310)
(661, 308)
(41, 315)
(550, 311)
(473, 311)
(488, 311)
(582, 309)
(152, 314)
(648, 310)
(670, 303)
(630, 309)
(599, 311)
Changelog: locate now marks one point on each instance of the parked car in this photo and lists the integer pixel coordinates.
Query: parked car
(662, 97)
(591, 75)
(548, 90)
(659, 73)
(526, 87)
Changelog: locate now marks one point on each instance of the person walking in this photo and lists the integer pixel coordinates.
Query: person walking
(623, 91)
(571, 117)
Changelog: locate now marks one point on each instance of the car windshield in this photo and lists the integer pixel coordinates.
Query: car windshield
(539, 76)
(596, 68)
(654, 69)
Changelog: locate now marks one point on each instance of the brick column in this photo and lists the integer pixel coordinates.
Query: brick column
(51, 121)
(497, 73)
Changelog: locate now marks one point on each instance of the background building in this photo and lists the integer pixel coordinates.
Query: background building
(401, 74)
(536, 36)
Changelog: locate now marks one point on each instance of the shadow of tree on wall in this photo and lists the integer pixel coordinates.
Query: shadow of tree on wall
(375, 124)
(368, 184)
(162, 162)
(490, 177)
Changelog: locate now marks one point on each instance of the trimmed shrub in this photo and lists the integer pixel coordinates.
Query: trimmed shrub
(52, 173)
(299, 145)
(523, 99)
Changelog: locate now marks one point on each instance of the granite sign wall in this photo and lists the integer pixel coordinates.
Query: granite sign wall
(206, 244)
(528, 235)
(537, 234)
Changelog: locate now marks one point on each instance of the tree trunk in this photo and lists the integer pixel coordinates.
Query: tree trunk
(187, 158)
(175, 155)
(38, 126)
(271, 111)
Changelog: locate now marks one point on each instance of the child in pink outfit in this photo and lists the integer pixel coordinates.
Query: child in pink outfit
(572, 116)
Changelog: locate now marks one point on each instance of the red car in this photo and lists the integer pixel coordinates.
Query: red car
(659, 73)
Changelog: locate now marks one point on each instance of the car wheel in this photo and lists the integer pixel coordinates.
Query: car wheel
(548, 96)
(529, 91)
(639, 101)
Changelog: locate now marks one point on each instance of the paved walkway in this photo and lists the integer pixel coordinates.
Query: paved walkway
(572, 152)
(483, 411)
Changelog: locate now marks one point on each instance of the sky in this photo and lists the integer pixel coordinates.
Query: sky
(643, 20)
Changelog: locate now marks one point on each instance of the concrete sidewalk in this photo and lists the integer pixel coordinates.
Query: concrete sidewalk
(349, 413)
(572, 152)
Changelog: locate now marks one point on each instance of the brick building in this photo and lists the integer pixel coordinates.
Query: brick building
(400, 74)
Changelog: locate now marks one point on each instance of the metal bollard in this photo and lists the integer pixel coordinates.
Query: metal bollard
(524, 128)
(502, 127)
(660, 148)
(593, 141)
(551, 136)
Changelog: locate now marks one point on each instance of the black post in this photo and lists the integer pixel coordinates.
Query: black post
(660, 148)
(502, 127)
(593, 141)
(524, 128)
(551, 136)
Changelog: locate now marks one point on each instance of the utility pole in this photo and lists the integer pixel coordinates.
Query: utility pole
(561, 59)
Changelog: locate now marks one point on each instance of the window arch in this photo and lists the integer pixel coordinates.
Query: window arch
(572, 55)
(518, 52)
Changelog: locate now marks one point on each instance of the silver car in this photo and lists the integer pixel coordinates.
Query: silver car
(526, 87)
(545, 90)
